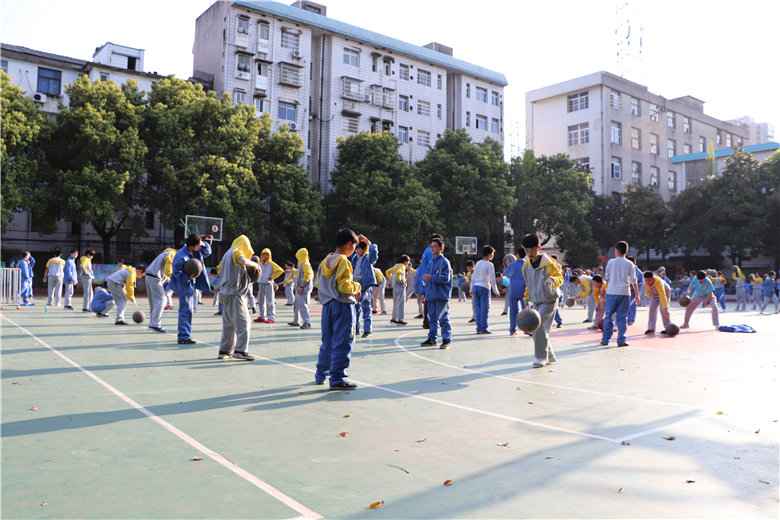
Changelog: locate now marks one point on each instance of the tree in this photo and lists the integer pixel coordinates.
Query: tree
(201, 154)
(646, 225)
(376, 193)
(97, 156)
(607, 218)
(473, 183)
(769, 187)
(23, 125)
(553, 199)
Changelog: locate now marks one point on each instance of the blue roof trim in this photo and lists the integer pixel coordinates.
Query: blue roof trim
(356, 33)
(726, 152)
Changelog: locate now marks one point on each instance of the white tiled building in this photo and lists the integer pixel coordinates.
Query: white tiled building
(622, 132)
(758, 133)
(330, 79)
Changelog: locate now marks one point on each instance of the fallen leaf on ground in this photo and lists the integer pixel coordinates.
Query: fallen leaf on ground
(196, 459)
(620, 490)
(719, 412)
(44, 504)
(670, 438)
(421, 441)
(34, 408)
(625, 443)
(530, 402)
(737, 458)
(448, 483)
(690, 481)
(503, 444)
(343, 434)
(757, 431)
(399, 468)
(347, 416)
(379, 504)
(764, 482)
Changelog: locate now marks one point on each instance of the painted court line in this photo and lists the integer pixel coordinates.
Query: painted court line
(296, 506)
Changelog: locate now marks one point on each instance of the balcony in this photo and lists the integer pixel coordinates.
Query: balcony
(262, 83)
(290, 75)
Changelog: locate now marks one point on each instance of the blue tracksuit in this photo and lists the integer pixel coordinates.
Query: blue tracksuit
(184, 287)
(631, 316)
(69, 274)
(365, 266)
(437, 295)
(423, 268)
(516, 291)
(100, 299)
(26, 278)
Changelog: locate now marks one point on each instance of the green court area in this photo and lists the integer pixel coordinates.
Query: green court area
(100, 421)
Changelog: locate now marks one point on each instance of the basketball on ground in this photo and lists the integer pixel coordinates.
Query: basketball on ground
(138, 316)
(529, 320)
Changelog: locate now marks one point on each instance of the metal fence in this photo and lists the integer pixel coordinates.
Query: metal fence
(10, 285)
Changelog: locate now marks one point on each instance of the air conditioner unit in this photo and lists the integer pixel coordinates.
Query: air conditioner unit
(40, 98)
(292, 126)
(296, 54)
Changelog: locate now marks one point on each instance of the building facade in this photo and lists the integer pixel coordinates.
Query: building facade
(698, 166)
(44, 78)
(327, 79)
(758, 133)
(622, 133)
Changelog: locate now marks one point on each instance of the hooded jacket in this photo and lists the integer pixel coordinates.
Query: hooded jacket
(182, 284)
(70, 275)
(514, 272)
(85, 267)
(543, 280)
(363, 266)
(233, 277)
(269, 270)
(334, 280)
(658, 289)
(439, 287)
(305, 274)
(55, 267)
(126, 276)
(397, 274)
(162, 265)
(26, 268)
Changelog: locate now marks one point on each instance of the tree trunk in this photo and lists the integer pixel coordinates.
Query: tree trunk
(106, 248)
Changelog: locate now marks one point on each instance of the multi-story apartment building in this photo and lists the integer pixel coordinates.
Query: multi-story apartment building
(758, 133)
(327, 79)
(623, 133)
(44, 76)
(699, 165)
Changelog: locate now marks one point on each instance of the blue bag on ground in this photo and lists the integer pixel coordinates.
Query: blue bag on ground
(736, 328)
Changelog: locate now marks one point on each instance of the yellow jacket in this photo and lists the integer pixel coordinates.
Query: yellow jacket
(342, 270)
(276, 271)
(241, 246)
(289, 276)
(130, 282)
(86, 264)
(660, 288)
(738, 275)
(585, 286)
(380, 277)
(599, 293)
(399, 271)
(304, 265)
(167, 270)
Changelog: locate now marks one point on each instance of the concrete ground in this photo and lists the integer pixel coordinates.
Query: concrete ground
(100, 421)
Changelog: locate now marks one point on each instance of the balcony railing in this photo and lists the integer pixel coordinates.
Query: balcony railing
(290, 77)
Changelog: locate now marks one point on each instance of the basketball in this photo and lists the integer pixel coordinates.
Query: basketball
(684, 301)
(672, 330)
(505, 281)
(529, 320)
(570, 302)
(138, 317)
(193, 268)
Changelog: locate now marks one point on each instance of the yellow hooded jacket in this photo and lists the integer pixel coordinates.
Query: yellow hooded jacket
(552, 269)
(342, 270)
(130, 282)
(167, 269)
(660, 288)
(56, 260)
(304, 265)
(86, 264)
(276, 270)
(738, 275)
(379, 275)
(241, 247)
(585, 286)
(399, 271)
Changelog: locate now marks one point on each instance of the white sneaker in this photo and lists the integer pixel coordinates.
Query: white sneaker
(539, 363)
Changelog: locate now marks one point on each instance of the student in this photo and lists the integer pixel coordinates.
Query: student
(599, 300)
(398, 282)
(102, 302)
(411, 291)
(483, 281)
(26, 273)
(756, 283)
(620, 275)
(157, 273)
(86, 276)
(516, 291)
(739, 287)
(184, 286)
(234, 286)
(338, 294)
(304, 282)
(543, 281)
(702, 292)
(633, 303)
(363, 261)
(585, 283)
(505, 263)
(288, 283)
(767, 290)
(54, 273)
(469, 278)
(657, 292)
(266, 299)
(459, 283)
(438, 290)
(121, 284)
(214, 281)
(557, 316)
(379, 304)
(720, 282)
(70, 278)
(419, 287)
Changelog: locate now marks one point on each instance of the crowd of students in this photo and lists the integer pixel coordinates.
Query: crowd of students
(351, 290)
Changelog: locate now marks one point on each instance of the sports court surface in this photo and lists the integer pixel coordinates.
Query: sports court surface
(100, 421)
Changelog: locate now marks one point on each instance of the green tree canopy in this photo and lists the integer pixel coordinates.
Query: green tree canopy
(647, 219)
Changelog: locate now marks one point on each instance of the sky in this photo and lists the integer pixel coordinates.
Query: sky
(720, 51)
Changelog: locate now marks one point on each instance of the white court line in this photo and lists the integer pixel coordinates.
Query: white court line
(296, 506)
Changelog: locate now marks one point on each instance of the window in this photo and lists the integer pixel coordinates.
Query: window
(636, 138)
(686, 124)
(687, 148)
(636, 173)
(263, 31)
(468, 118)
(495, 98)
(375, 126)
(105, 76)
(439, 81)
(583, 164)
(728, 140)
(288, 111)
(654, 175)
(49, 81)
(718, 139)
(388, 67)
(291, 40)
(351, 124)
(424, 108)
(616, 133)
(351, 57)
(616, 169)
(438, 111)
(672, 181)
(495, 126)
(403, 71)
(671, 148)
(403, 103)
(654, 144)
(238, 96)
(636, 107)
(481, 122)
(482, 94)
(670, 120)
(289, 75)
(577, 101)
(149, 220)
(579, 134)
(423, 138)
(262, 105)
(263, 69)
(242, 66)
(374, 63)
(4, 65)
(424, 77)
(702, 144)
(614, 99)
(243, 25)
(652, 111)
(468, 90)
(739, 142)
(403, 134)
